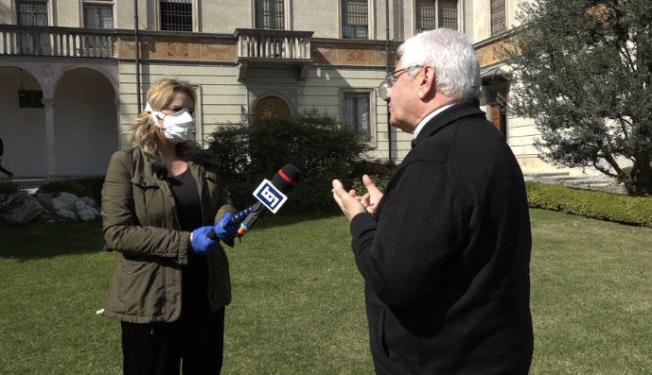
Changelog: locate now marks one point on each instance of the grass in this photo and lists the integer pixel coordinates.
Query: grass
(591, 296)
(298, 301)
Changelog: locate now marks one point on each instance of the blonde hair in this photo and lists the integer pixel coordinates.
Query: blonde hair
(145, 133)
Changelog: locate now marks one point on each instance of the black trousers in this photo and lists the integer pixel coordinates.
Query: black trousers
(195, 343)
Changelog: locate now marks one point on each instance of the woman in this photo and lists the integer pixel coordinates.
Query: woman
(171, 282)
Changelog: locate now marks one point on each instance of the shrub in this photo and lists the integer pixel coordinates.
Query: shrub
(379, 171)
(82, 187)
(8, 187)
(594, 204)
(321, 148)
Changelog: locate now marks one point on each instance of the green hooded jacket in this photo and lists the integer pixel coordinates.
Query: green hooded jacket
(140, 222)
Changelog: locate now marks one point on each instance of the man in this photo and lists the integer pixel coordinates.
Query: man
(445, 251)
(2, 169)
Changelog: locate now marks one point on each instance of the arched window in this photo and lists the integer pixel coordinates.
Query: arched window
(271, 107)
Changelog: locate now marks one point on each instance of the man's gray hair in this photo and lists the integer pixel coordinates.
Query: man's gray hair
(453, 58)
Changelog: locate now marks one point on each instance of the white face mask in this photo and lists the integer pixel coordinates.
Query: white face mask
(177, 127)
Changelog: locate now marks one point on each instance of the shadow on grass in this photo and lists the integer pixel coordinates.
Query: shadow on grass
(282, 219)
(40, 240)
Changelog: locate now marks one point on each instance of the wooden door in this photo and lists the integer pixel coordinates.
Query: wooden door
(271, 107)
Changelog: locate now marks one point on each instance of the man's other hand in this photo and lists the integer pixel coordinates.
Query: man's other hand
(372, 199)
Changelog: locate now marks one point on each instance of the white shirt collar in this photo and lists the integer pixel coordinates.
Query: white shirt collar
(429, 117)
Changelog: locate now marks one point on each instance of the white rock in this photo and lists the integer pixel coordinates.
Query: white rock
(80, 205)
(89, 201)
(67, 214)
(87, 214)
(95, 211)
(64, 201)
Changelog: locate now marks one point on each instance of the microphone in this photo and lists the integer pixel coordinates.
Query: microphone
(270, 195)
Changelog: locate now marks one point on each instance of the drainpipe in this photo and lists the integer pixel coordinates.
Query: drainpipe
(137, 45)
(389, 126)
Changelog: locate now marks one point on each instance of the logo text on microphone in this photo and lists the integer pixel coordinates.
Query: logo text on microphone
(270, 196)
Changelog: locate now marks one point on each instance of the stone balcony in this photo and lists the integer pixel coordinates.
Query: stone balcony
(57, 42)
(244, 47)
(257, 47)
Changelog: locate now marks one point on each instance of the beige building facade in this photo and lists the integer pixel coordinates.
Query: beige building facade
(70, 74)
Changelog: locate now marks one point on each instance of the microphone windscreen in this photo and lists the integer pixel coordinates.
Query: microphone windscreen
(286, 177)
(292, 172)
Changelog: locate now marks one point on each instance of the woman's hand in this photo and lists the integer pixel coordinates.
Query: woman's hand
(200, 241)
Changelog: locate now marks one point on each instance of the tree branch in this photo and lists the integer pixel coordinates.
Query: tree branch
(610, 159)
(602, 169)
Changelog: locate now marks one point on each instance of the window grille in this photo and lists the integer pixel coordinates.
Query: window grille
(355, 19)
(498, 23)
(432, 14)
(30, 99)
(98, 16)
(270, 14)
(448, 14)
(356, 113)
(426, 15)
(176, 15)
(32, 13)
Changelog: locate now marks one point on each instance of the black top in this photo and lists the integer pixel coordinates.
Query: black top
(186, 198)
(446, 259)
(195, 276)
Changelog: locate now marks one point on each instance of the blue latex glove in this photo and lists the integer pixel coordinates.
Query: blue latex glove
(201, 243)
(225, 229)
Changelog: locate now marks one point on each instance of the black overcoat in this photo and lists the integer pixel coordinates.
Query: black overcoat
(446, 259)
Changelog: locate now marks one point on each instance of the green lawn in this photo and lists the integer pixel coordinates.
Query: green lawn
(298, 305)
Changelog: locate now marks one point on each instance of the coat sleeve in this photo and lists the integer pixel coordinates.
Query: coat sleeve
(123, 232)
(404, 255)
(221, 197)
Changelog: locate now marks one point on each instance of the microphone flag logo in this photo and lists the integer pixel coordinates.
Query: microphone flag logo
(270, 196)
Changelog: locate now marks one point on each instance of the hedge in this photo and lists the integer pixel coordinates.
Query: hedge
(8, 187)
(317, 145)
(594, 204)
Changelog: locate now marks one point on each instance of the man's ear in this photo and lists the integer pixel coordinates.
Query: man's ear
(427, 82)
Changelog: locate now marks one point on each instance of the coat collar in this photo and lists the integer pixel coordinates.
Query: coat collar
(469, 108)
(143, 173)
(146, 170)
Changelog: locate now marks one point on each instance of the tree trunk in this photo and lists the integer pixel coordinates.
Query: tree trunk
(640, 178)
